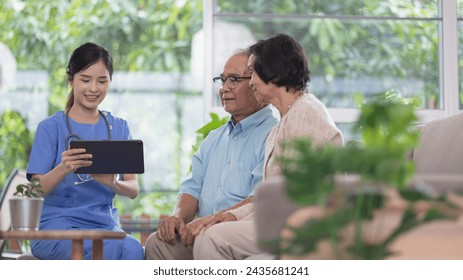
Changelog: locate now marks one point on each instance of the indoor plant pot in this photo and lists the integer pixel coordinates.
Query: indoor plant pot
(26, 213)
(26, 206)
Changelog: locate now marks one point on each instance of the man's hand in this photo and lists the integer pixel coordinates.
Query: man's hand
(193, 228)
(168, 229)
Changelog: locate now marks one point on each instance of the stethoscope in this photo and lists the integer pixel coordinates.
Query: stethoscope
(76, 136)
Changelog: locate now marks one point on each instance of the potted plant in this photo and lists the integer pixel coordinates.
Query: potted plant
(355, 200)
(26, 206)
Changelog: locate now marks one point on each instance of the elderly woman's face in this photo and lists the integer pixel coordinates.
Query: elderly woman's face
(259, 87)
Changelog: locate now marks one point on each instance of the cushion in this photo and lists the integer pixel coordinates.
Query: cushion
(440, 149)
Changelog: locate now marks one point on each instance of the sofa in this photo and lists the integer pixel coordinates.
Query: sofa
(438, 161)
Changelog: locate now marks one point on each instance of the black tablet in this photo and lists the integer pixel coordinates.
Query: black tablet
(112, 156)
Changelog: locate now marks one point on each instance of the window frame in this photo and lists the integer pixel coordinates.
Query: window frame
(448, 67)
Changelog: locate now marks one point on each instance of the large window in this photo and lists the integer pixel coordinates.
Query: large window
(166, 53)
(152, 88)
(355, 47)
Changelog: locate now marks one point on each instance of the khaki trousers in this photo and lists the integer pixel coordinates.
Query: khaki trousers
(224, 241)
(156, 249)
(229, 241)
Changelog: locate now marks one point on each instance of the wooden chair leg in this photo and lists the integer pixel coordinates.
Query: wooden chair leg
(77, 251)
(97, 249)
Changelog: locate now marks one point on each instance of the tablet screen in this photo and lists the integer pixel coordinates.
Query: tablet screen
(112, 156)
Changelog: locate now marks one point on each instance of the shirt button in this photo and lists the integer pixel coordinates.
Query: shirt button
(229, 162)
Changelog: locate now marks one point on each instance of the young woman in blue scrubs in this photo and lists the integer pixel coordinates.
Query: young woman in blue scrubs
(81, 201)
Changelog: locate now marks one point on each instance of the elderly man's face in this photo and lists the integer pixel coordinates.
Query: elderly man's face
(237, 98)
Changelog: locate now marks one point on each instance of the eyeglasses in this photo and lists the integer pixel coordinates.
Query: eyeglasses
(232, 81)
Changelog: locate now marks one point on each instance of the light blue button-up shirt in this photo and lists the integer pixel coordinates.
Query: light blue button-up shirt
(229, 163)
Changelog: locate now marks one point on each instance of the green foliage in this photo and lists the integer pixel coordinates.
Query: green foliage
(379, 158)
(385, 122)
(15, 143)
(152, 203)
(375, 40)
(386, 138)
(141, 35)
(203, 131)
(31, 189)
(384, 126)
(358, 206)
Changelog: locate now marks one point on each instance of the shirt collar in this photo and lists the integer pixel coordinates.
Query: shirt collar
(252, 121)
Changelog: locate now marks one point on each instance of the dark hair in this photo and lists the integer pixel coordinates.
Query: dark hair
(83, 57)
(282, 61)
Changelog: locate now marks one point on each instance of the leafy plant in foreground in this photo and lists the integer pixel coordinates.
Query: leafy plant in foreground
(380, 159)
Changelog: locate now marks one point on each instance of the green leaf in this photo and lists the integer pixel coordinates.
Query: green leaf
(413, 195)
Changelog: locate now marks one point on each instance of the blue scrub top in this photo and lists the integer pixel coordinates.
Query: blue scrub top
(88, 204)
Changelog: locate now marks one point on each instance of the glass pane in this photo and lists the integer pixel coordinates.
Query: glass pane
(389, 8)
(460, 50)
(460, 61)
(350, 57)
(460, 8)
(348, 133)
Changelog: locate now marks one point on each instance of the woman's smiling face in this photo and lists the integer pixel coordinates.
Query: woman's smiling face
(91, 85)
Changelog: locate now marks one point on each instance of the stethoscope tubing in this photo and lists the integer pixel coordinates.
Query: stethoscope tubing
(72, 135)
(76, 136)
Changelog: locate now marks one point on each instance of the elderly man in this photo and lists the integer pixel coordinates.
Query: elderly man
(225, 170)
